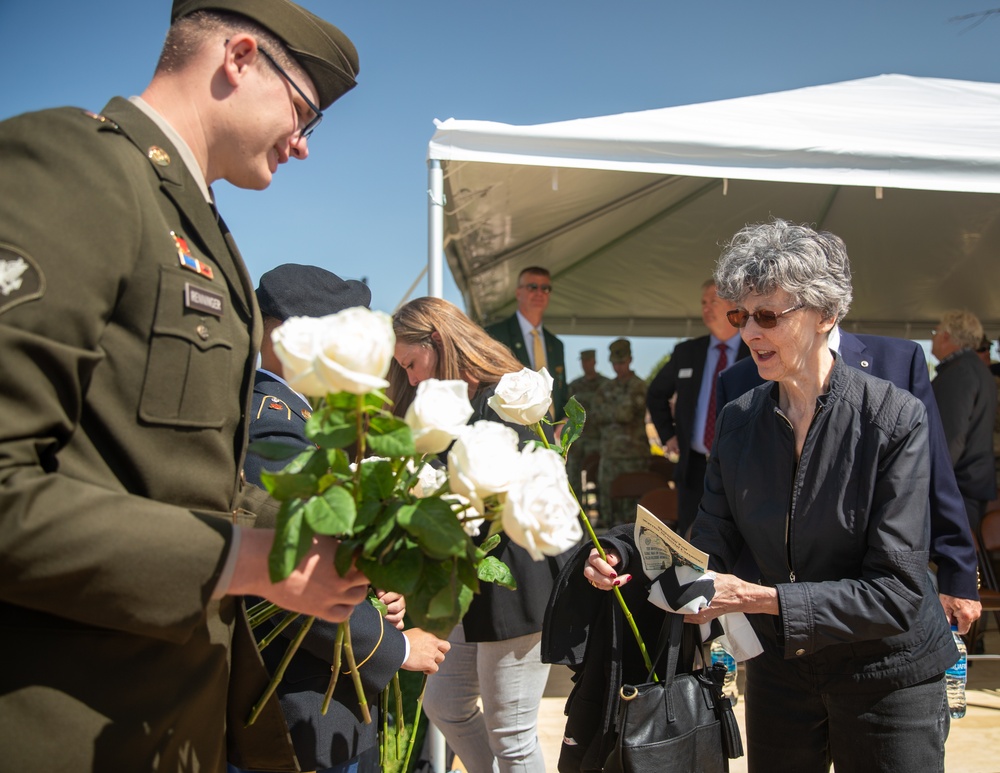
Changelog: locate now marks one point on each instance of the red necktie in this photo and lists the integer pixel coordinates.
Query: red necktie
(710, 416)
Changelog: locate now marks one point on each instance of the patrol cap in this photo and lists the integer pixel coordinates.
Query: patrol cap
(588, 354)
(293, 290)
(621, 350)
(323, 51)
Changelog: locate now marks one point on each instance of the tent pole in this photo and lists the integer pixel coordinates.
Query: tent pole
(438, 750)
(435, 229)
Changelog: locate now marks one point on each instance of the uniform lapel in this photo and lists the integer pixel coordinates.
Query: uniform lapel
(176, 182)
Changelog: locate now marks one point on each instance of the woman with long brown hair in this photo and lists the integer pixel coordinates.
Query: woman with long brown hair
(495, 653)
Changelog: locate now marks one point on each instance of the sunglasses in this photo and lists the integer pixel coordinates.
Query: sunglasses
(534, 286)
(765, 319)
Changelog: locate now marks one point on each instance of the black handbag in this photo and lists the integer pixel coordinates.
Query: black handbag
(683, 724)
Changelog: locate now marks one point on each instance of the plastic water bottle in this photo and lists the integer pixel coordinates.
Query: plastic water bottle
(954, 679)
(720, 655)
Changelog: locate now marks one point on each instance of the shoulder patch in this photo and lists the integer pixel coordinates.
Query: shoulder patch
(20, 278)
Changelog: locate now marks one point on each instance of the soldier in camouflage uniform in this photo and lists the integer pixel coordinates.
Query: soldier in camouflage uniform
(584, 389)
(620, 413)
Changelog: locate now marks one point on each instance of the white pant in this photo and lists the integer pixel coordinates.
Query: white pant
(510, 678)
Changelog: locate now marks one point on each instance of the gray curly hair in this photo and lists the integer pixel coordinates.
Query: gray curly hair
(811, 266)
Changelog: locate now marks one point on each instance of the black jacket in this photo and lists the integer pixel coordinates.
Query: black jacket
(497, 613)
(857, 608)
(966, 394)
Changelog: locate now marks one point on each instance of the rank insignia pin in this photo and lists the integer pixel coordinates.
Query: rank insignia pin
(158, 156)
(306, 413)
(189, 261)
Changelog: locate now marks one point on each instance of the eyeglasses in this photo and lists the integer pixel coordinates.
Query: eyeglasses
(311, 125)
(765, 319)
(534, 287)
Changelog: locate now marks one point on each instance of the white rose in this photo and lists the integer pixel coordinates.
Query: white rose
(439, 411)
(523, 397)
(540, 513)
(295, 344)
(429, 480)
(483, 461)
(355, 348)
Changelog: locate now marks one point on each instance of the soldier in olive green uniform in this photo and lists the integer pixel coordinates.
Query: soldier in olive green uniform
(129, 336)
(584, 389)
(620, 414)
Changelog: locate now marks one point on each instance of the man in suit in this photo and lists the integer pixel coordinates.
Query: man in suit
(966, 396)
(689, 377)
(339, 740)
(903, 363)
(531, 343)
(128, 335)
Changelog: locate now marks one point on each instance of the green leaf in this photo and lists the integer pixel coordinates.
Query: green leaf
(434, 526)
(468, 572)
(451, 601)
(332, 513)
(300, 479)
(383, 533)
(274, 450)
(378, 481)
(492, 569)
(292, 540)
(346, 551)
(401, 574)
(490, 543)
(576, 418)
(390, 436)
(332, 429)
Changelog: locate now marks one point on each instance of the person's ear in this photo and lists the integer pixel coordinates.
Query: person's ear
(436, 337)
(241, 53)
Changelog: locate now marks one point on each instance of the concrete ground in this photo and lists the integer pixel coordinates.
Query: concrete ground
(973, 745)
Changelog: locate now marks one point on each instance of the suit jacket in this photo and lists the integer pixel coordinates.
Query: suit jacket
(682, 376)
(966, 395)
(508, 332)
(129, 342)
(903, 363)
(277, 413)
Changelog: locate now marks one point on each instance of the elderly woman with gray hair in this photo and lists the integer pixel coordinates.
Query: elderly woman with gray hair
(821, 475)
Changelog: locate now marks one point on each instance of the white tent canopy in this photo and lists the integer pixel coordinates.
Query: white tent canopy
(629, 211)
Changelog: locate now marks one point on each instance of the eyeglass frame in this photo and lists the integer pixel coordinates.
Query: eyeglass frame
(306, 131)
(757, 317)
(534, 287)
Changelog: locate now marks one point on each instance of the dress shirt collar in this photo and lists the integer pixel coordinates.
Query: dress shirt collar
(187, 155)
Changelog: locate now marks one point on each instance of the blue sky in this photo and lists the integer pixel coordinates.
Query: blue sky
(358, 204)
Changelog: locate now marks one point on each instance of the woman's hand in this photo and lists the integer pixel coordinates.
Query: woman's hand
(601, 574)
(735, 595)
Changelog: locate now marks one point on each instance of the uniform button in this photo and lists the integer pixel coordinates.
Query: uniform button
(202, 332)
(800, 652)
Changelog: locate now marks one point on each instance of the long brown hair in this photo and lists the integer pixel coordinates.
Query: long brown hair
(464, 350)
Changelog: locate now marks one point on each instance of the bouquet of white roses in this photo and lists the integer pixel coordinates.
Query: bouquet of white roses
(373, 480)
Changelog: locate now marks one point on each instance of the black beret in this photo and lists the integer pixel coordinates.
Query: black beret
(292, 290)
(323, 51)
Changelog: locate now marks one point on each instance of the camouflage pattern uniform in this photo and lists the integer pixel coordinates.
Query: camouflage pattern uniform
(620, 413)
(585, 392)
